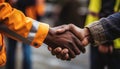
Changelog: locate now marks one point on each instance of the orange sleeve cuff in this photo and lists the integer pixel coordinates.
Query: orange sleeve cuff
(40, 35)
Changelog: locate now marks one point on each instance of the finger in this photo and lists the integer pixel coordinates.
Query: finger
(71, 53)
(80, 45)
(64, 51)
(49, 48)
(62, 29)
(52, 50)
(65, 57)
(85, 41)
(69, 59)
(53, 53)
(57, 50)
(58, 56)
(59, 31)
(75, 30)
(64, 54)
(74, 48)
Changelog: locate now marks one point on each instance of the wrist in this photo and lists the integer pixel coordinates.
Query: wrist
(88, 35)
(86, 32)
(47, 37)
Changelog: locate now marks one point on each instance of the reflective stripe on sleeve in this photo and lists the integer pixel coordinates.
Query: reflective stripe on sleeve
(33, 30)
(35, 37)
(40, 35)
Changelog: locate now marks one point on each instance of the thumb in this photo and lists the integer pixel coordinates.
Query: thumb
(85, 41)
(62, 29)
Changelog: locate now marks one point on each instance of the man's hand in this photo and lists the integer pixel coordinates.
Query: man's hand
(106, 47)
(82, 34)
(60, 53)
(65, 40)
(63, 53)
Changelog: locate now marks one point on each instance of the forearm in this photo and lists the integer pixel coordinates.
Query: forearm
(106, 29)
(19, 27)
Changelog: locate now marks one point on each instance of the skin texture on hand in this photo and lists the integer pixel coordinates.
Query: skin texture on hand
(64, 53)
(66, 40)
(83, 35)
(60, 53)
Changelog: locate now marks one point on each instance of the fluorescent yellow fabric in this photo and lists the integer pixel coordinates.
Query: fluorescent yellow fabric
(117, 43)
(117, 4)
(95, 6)
(117, 9)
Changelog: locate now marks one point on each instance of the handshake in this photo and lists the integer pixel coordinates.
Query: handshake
(67, 41)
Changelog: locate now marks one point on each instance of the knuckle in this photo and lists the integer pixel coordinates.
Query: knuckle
(78, 52)
(71, 25)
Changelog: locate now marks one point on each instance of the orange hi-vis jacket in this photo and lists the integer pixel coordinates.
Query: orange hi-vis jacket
(14, 24)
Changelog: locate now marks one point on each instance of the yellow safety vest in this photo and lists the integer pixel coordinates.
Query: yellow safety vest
(117, 9)
(94, 8)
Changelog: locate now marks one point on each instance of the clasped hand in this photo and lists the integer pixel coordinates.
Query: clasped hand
(66, 41)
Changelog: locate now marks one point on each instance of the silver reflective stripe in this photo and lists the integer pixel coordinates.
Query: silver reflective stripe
(6, 30)
(33, 30)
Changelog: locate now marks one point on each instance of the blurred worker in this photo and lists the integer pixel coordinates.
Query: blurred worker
(99, 59)
(69, 13)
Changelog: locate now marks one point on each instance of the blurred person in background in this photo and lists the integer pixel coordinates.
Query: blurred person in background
(69, 13)
(31, 8)
(99, 59)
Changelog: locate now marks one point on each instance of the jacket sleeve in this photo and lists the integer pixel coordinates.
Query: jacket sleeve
(3, 56)
(14, 24)
(2, 51)
(105, 29)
